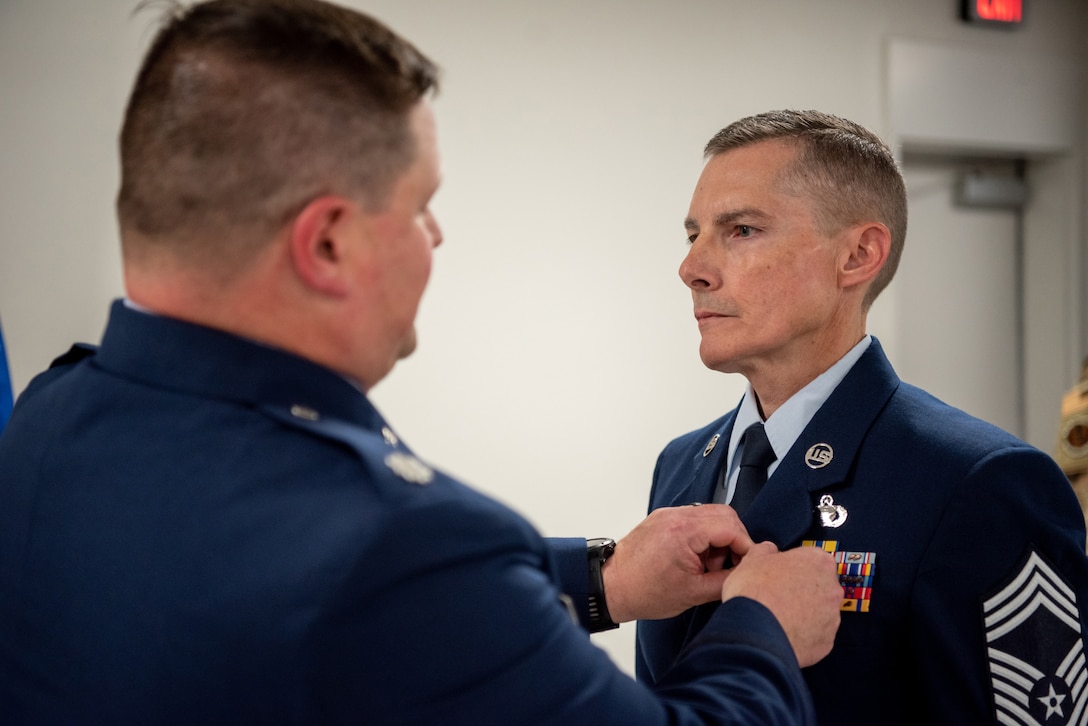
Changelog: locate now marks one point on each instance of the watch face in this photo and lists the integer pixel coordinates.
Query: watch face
(604, 546)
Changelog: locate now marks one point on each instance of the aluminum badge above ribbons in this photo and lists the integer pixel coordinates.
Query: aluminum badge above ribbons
(1036, 648)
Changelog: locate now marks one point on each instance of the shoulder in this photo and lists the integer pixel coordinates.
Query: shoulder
(61, 366)
(989, 479)
(919, 419)
(916, 416)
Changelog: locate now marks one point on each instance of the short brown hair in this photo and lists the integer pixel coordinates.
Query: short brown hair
(245, 110)
(847, 169)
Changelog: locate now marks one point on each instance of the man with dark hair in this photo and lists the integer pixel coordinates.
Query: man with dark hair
(960, 547)
(204, 520)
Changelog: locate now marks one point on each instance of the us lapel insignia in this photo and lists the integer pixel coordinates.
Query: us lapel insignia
(1036, 648)
(409, 468)
(819, 455)
(831, 514)
(710, 445)
(855, 570)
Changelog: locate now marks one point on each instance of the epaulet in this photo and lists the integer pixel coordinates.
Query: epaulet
(368, 445)
(302, 417)
(78, 352)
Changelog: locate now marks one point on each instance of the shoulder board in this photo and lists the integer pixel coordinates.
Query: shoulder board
(78, 352)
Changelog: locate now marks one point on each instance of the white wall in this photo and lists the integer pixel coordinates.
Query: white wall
(558, 353)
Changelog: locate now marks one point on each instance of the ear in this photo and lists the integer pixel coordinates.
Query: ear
(865, 255)
(320, 244)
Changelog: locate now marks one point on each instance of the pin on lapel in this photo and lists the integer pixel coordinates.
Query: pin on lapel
(710, 445)
(819, 455)
(831, 514)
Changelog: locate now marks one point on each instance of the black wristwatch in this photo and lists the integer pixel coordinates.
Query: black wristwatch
(598, 550)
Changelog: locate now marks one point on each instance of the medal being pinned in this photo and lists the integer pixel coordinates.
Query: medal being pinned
(856, 571)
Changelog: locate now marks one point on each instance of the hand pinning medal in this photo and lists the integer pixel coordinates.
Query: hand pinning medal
(856, 572)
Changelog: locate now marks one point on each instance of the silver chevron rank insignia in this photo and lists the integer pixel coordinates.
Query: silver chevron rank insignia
(1036, 649)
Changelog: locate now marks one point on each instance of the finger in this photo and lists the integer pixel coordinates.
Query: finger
(717, 525)
(760, 549)
(740, 546)
(711, 584)
(716, 557)
(819, 557)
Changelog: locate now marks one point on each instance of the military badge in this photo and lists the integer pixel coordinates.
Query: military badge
(831, 514)
(819, 455)
(409, 468)
(1036, 648)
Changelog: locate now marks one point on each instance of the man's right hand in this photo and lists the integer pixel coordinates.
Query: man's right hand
(800, 587)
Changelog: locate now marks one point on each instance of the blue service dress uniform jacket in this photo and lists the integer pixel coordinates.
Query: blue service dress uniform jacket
(197, 529)
(961, 550)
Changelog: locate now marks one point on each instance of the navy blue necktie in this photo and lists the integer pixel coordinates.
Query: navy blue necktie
(755, 456)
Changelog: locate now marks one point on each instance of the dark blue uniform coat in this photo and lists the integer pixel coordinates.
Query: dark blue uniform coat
(196, 529)
(977, 577)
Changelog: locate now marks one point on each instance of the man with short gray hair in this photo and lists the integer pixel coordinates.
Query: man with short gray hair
(959, 547)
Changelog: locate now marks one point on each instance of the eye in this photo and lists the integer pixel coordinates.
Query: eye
(743, 230)
(692, 237)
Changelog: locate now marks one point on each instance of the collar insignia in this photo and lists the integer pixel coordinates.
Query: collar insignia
(819, 455)
(409, 468)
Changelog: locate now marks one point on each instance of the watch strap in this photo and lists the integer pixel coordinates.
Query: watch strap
(597, 552)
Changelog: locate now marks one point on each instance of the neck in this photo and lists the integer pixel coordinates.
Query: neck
(261, 304)
(776, 381)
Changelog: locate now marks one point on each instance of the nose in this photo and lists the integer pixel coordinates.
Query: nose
(434, 229)
(695, 270)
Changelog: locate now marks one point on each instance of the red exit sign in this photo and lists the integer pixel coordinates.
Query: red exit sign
(1007, 13)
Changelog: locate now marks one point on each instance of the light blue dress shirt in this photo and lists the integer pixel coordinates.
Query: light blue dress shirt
(785, 424)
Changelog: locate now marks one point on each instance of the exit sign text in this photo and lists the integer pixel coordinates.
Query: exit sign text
(1007, 13)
